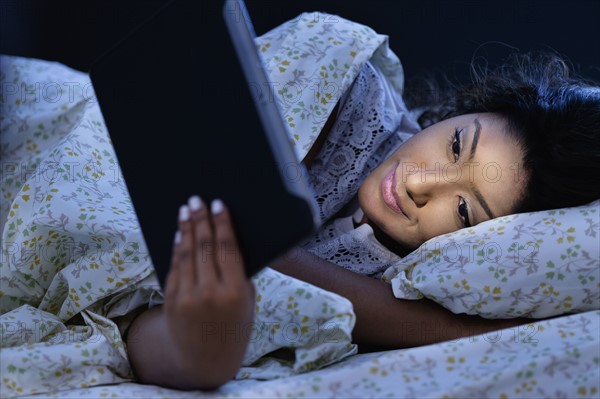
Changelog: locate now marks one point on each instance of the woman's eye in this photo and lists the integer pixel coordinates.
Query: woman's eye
(463, 212)
(456, 144)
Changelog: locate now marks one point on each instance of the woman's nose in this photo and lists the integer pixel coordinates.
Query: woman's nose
(422, 182)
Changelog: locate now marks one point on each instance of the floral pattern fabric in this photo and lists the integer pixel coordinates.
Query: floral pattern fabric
(73, 263)
(312, 60)
(556, 358)
(538, 265)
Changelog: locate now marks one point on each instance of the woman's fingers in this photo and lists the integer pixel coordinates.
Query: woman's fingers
(173, 276)
(184, 252)
(229, 258)
(204, 251)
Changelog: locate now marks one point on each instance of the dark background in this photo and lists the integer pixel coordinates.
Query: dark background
(436, 36)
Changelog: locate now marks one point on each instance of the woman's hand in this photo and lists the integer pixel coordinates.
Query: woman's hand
(209, 302)
(198, 338)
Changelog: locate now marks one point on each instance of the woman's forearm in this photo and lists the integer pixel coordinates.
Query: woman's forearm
(151, 354)
(154, 356)
(186, 342)
(382, 319)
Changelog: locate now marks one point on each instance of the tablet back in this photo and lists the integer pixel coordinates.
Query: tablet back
(184, 120)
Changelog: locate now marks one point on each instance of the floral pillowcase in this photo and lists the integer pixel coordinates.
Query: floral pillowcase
(537, 265)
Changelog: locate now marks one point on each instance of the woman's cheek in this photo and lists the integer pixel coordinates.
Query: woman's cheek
(368, 197)
(407, 236)
(436, 226)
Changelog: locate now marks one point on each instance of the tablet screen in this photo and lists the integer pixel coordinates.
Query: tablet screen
(183, 121)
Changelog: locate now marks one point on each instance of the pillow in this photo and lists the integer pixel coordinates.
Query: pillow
(536, 265)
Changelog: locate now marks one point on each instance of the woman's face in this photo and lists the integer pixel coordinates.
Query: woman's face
(454, 174)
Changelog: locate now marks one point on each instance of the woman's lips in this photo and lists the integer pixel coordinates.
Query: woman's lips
(388, 189)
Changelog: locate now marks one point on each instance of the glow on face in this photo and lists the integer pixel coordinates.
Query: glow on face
(454, 174)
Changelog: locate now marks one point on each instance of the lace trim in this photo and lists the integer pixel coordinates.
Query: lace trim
(363, 135)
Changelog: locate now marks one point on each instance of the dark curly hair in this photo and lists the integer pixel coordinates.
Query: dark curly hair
(553, 115)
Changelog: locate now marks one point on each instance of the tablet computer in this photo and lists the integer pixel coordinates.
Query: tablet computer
(186, 100)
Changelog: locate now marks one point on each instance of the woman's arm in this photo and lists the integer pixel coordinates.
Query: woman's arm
(195, 340)
(381, 319)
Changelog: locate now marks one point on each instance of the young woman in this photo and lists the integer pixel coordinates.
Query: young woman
(523, 137)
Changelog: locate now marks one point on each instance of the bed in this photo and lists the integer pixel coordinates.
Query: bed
(557, 358)
(67, 223)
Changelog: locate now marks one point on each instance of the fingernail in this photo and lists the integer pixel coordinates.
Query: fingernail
(216, 206)
(177, 237)
(184, 213)
(195, 203)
